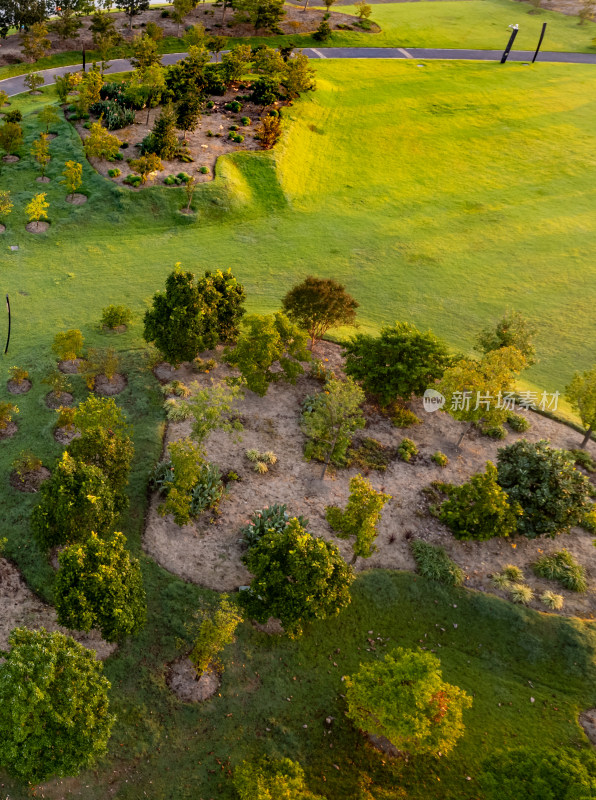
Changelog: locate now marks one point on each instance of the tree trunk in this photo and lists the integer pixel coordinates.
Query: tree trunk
(461, 438)
(586, 437)
(354, 559)
(305, 5)
(328, 459)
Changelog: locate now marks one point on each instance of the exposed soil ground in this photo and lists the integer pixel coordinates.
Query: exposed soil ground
(208, 551)
(22, 387)
(183, 681)
(29, 481)
(296, 21)
(20, 607)
(204, 149)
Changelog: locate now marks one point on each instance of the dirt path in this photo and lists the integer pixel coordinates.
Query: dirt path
(208, 552)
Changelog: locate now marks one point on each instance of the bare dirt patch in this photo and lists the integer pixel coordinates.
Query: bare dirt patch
(588, 722)
(76, 199)
(107, 387)
(53, 401)
(8, 159)
(42, 179)
(183, 681)
(20, 607)
(117, 329)
(29, 481)
(37, 227)
(71, 366)
(9, 431)
(19, 387)
(2, 228)
(208, 552)
(65, 435)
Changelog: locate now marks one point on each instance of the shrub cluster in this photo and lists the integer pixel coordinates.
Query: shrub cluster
(434, 563)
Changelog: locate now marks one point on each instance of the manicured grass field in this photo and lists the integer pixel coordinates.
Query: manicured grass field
(442, 194)
(458, 24)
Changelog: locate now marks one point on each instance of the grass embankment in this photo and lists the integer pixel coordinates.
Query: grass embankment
(458, 24)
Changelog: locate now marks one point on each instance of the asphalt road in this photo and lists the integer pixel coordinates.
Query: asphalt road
(16, 85)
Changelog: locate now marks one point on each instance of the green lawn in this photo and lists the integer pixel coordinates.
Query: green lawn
(441, 195)
(477, 24)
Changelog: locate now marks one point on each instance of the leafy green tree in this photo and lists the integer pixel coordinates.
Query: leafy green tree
(33, 81)
(72, 177)
(37, 209)
(215, 44)
(188, 75)
(267, 339)
(195, 36)
(212, 409)
(212, 633)
(89, 90)
(101, 143)
(179, 323)
(54, 707)
(318, 304)
(188, 113)
(225, 296)
(530, 773)
(299, 76)
(146, 87)
(186, 459)
(66, 24)
(163, 140)
(473, 390)
(144, 53)
(363, 10)
(331, 421)
(268, 61)
(581, 394)
(263, 14)
(35, 42)
(11, 137)
(552, 493)
(68, 345)
(512, 330)
(403, 698)
(360, 517)
(399, 363)
(236, 63)
(180, 10)
(133, 7)
(269, 779)
(99, 585)
(265, 91)
(298, 578)
(74, 501)
(112, 452)
(480, 508)
(49, 116)
(147, 166)
(40, 150)
(100, 413)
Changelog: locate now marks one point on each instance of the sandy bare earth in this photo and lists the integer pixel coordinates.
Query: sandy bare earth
(20, 607)
(208, 552)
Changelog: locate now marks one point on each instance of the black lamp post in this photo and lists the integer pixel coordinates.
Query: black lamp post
(540, 41)
(8, 337)
(514, 30)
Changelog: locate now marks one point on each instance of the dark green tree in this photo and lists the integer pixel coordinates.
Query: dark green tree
(264, 341)
(298, 578)
(163, 140)
(188, 113)
(132, 8)
(188, 75)
(512, 330)
(399, 363)
(99, 585)
(530, 773)
(54, 707)
(179, 323)
(225, 297)
(552, 492)
(74, 501)
(318, 304)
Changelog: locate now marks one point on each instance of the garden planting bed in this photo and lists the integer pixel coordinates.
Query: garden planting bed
(203, 148)
(20, 607)
(208, 551)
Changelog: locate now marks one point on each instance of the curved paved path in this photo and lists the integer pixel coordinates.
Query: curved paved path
(16, 85)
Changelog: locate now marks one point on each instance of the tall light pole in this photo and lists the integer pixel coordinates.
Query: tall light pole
(514, 30)
(539, 41)
(8, 337)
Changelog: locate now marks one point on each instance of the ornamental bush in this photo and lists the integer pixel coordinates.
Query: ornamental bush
(402, 361)
(297, 578)
(112, 453)
(530, 773)
(212, 633)
(552, 492)
(434, 563)
(99, 585)
(360, 517)
(273, 519)
(114, 316)
(54, 708)
(563, 568)
(74, 501)
(272, 779)
(403, 698)
(68, 345)
(480, 509)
